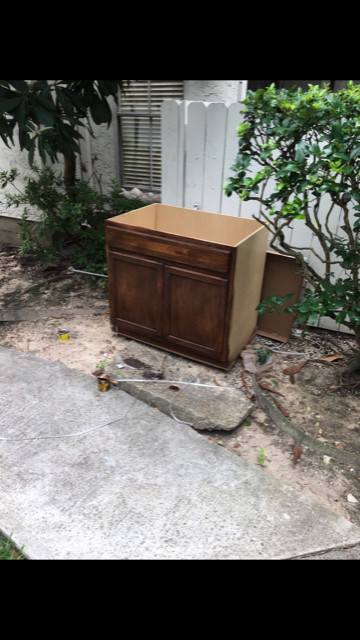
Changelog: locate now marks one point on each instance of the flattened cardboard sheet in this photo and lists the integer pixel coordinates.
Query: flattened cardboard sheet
(281, 277)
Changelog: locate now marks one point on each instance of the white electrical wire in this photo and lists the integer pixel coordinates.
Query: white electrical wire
(64, 435)
(80, 433)
(197, 384)
(88, 273)
(288, 353)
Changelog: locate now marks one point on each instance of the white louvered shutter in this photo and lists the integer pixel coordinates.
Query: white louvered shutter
(140, 131)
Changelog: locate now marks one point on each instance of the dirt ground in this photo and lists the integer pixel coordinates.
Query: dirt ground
(312, 398)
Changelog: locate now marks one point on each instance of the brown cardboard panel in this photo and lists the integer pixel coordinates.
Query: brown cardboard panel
(248, 279)
(202, 225)
(280, 278)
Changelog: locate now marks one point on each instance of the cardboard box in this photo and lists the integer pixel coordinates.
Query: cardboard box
(281, 276)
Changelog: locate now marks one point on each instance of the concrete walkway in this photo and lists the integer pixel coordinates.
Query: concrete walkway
(92, 475)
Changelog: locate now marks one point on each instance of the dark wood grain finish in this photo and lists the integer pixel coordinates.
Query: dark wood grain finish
(195, 310)
(194, 253)
(138, 300)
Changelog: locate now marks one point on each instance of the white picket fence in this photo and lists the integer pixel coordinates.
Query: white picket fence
(199, 146)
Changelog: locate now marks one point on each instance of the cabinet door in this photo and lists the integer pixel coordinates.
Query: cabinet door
(136, 288)
(195, 310)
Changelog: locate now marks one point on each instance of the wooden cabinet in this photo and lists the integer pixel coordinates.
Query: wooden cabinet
(186, 281)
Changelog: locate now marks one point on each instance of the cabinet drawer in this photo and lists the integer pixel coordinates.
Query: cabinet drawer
(200, 254)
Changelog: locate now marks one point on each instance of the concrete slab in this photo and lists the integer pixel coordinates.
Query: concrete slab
(92, 475)
(182, 390)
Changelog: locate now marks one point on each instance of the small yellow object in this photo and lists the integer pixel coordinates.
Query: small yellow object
(103, 385)
(63, 335)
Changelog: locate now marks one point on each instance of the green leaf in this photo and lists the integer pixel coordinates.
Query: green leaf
(242, 128)
(100, 111)
(340, 317)
(43, 116)
(336, 132)
(292, 167)
(31, 152)
(342, 156)
(261, 308)
(10, 105)
(355, 152)
(356, 194)
(20, 85)
(6, 93)
(300, 152)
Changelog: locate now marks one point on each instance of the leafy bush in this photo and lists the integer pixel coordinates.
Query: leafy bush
(299, 157)
(67, 217)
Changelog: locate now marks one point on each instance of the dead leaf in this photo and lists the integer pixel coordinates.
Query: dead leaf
(331, 358)
(295, 369)
(249, 393)
(264, 386)
(217, 384)
(281, 408)
(297, 453)
(292, 378)
(244, 382)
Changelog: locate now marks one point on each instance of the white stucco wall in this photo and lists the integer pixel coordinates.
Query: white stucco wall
(227, 91)
(13, 158)
(99, 153)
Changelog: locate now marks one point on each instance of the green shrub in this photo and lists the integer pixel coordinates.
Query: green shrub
(72, 217)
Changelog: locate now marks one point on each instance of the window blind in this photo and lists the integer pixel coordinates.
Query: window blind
(140, 131)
